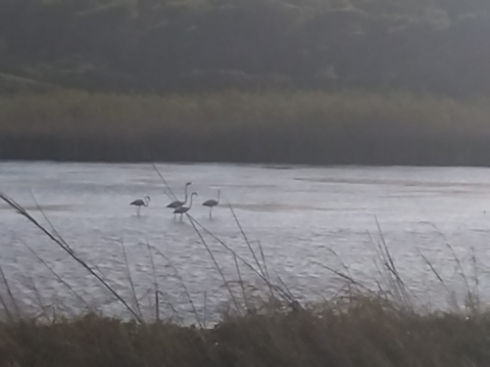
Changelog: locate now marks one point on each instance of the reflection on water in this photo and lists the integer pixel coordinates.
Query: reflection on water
(280, 207)
(391, 182)
(305, 220)
(44, 207)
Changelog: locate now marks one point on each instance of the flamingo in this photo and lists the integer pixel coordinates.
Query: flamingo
(139, 203)
(184, 209)
(212, 203)
(177, 203)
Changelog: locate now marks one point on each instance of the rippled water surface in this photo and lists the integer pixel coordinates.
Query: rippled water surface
(307, 221)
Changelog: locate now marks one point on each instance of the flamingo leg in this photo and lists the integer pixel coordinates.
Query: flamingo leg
(210, 212)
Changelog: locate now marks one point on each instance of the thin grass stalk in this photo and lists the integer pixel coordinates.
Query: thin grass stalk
(169, 191)
(157, 305)
(161, 295)
(289, 296)
(155, 283)
(240, 281)
(51, 226)
(381, 273)
(205, 311)
(59, 278)
(245, 262)
(184, 287)
(385, 266)
(266, 270)
(56, 233)
(244, 235)
(130, 279)
(70, 252)
(453, 253)
(264, 262)
(7, 310)
(348, 278)
(344, 265)
(433, 270)
(436, 273)
(38, 297)
(10, 294)
(213, 258)
(474, 294)
(391, 267)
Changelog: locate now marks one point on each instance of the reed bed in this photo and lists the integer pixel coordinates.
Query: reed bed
(284, 127)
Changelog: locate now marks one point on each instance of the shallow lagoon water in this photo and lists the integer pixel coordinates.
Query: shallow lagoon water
(306, 220)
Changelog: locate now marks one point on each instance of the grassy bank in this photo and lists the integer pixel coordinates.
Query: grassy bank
(296, 127)
(361, 333)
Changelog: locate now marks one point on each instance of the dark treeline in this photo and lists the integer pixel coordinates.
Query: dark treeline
(194, 45)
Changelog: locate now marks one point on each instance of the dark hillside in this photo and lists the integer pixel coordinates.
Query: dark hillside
(204, 45)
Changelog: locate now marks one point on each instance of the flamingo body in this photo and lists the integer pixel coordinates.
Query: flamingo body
(181, 210)
(177, 203)
(139, 203)
(184, 209)
(211, 203)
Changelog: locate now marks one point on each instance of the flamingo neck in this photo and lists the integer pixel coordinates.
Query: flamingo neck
(219, 195)
(190, 205)
(185, 198)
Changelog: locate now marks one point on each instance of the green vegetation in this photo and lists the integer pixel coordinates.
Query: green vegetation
(285, 127)
(203, 45)
(362, 333)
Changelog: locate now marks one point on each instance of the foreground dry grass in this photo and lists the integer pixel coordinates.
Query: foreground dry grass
(364, 332)
(294, 127)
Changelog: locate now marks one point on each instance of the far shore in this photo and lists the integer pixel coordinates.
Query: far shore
(317, 128)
